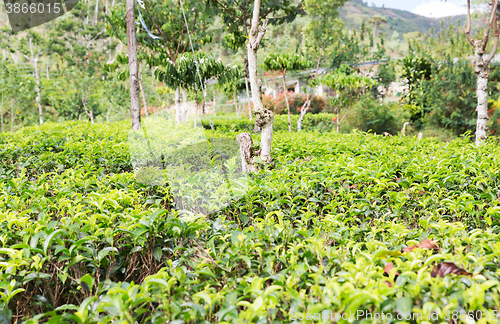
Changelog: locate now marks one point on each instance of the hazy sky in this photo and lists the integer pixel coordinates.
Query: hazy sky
(428, 8)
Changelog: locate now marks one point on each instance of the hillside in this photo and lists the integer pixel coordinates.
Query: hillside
(397, 20)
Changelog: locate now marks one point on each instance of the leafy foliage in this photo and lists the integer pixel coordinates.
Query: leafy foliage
(184, 73)
(415, 69)
(371, 115)
(284, 62)
(349, 87)
(450, 96)
(83, 241)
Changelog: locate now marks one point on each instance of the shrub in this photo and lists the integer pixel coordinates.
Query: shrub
(369, 114)
(87, 243)
(318, 122)
(450, 97)
(296, 100)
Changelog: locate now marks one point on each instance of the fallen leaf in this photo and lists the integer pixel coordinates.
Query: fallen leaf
(446, 268)
(425, 244)
(388, 267)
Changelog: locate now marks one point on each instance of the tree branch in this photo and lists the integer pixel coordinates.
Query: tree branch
(495, 32)
(468, 28)
(261, 33)
(161, 33)
(227, 10)
(494, 7)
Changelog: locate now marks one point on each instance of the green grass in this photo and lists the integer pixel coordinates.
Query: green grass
(83, 242)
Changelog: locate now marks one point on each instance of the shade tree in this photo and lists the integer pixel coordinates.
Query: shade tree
(283, 63)
(482, 66)
(166, 35)
(191, 73)
(237, 17)
(234, 86)
(348, 87)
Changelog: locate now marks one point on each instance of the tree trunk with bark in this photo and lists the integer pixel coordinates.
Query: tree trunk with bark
(264, 117)
(482, 69)
(37, 89)
(196, 109)
(247, 153)
(85, 98)
(247, 76)
(132, 63)
(236, 106)
(249, 103)
(185, 106)
(287, 103)
(34, 61)
(96, 12)
(177, 103)
(303, 112)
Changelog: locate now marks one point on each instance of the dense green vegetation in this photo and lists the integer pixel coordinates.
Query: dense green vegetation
(79, 59)
(358, 214)
(84, 242)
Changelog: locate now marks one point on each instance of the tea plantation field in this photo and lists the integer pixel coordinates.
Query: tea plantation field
(344, 228)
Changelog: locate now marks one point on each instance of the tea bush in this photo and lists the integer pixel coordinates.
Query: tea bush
(317, 122)
(83, 242)
(368, 114)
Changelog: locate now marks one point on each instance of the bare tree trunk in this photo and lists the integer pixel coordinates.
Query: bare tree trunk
(37, 84)
(185, 106)
(287, 103)
(37, 89)
(303, 112)
(34, 61)
(132, 63)
(177, 105)
(143, 93)
(85, 98)
(246, 151)
(96, 12)
(236, 106)
(109, 46)
(482, 71)
(263, 117)
(152, 77)
(196, 108)
(88, 13)
(249, 103)
(48, 63)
